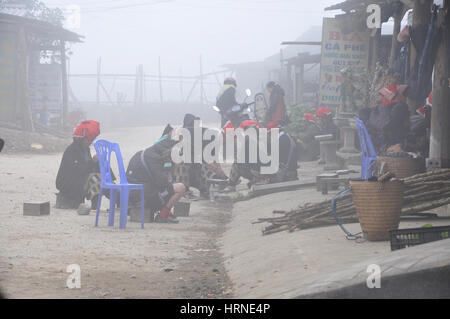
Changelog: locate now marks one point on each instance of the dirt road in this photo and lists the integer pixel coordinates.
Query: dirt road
(160, 261)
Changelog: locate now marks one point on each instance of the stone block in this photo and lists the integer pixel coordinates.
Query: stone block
(36, 208)
(135, 215)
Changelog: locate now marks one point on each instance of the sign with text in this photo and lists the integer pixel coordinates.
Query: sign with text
(45, 87)
(340, 51)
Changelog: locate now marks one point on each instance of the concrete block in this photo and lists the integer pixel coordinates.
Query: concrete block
(135, 215)
(181, 209)
(36, 208)
(321, 177)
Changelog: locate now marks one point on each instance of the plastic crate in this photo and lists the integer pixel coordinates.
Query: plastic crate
(402, 238)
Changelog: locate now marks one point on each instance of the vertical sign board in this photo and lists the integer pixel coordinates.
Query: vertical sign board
(45, 87)
(339, 51)
(8, 42)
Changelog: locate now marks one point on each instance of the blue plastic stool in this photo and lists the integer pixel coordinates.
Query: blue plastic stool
(104, 150)
(368, 154)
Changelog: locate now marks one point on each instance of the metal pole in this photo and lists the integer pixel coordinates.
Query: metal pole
(64, 83)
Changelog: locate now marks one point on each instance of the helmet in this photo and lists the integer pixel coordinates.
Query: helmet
(230, 81)
(271, 84)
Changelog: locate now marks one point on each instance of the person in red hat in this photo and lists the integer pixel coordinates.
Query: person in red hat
(325, 121)
(418, 140)
(76, 166)
(246, 170)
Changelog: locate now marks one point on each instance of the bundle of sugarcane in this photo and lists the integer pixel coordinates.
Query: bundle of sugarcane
(422, 192)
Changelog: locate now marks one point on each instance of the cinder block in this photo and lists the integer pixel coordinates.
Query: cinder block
(135, 215)
(181, 209)
(36, 208)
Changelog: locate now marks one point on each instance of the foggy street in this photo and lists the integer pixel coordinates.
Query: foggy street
(218, 157)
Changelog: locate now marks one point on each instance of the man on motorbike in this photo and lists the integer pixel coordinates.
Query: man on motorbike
(226, 98)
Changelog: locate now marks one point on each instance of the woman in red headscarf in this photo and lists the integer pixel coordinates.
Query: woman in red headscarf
(76, 166)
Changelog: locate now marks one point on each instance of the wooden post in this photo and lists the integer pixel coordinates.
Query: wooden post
(289, 84)
(440, 116)
(136, 87)
(201, 82)
(190, 92)
(141, 85)
(99, 66)
(181, 85)
(160, 81)
(64, 83)
(23, 104)
(375, 48)
(299, 69)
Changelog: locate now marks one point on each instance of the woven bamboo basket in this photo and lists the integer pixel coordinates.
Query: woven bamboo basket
(401, 166)
(378, 206)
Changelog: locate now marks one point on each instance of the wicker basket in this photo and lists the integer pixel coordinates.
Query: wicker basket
(378, 206)
(401, 166)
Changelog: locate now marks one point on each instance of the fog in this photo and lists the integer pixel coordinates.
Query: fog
(127, 33)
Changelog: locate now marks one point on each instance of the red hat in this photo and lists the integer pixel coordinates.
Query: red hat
(308, 117)
(323, 111)
(89, 129)
(428, 105)
(228, 125)
(393, 93)
(249, 123)
(430, 99)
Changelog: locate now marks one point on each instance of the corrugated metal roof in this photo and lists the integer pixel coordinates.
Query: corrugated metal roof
(41, 27)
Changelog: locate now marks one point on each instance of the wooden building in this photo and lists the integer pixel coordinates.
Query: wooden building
(23, 74)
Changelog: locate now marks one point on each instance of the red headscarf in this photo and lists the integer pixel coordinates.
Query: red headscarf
(430, 99)
(323, 111)
(89, 129)
(249, 123)
(393, 93)
(428, 104)
(308, 117)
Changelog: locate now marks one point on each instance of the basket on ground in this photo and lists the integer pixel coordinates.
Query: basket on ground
(378, 206)
(402, 167)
